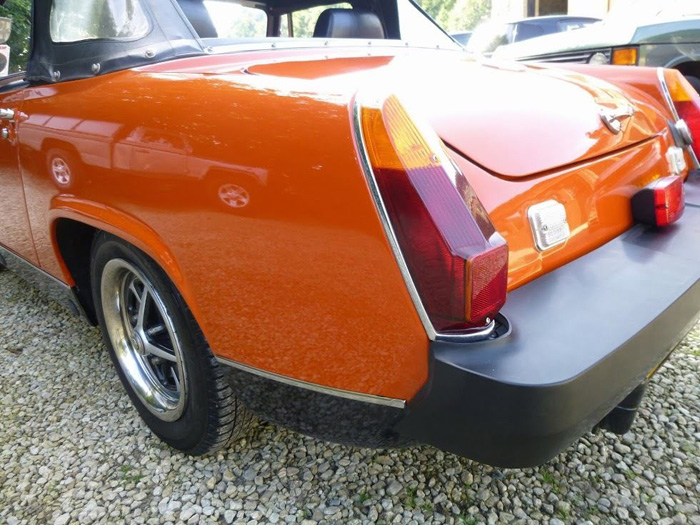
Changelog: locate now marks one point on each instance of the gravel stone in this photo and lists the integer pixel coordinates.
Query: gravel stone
(61, 520)
(394, 488)
(74, 450)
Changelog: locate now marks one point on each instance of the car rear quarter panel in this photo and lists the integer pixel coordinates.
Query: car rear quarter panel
(301, 281)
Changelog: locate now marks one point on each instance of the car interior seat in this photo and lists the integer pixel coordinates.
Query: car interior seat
(348, 23)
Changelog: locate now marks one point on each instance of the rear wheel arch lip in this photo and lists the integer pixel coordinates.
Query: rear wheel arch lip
(125, 227)
(682, 61)
(56, 143)
(687, 66)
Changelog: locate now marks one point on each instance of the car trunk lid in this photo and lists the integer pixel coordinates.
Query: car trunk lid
(512, 120)
(517, 121)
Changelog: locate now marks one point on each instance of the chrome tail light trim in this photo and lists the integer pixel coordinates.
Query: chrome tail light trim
(676, 117)
(478, 334)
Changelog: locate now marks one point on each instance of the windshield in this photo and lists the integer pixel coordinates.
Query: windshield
(489, 36)
(417, 28)
(228, 22)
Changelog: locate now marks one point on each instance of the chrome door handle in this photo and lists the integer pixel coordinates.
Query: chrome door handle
(7, 114)
(5, 133)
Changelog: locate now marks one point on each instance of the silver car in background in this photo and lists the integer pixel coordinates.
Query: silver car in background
(492, 34)
(659, 33)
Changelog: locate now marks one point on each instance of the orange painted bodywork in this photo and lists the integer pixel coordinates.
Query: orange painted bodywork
(302, 281)
(641, 81)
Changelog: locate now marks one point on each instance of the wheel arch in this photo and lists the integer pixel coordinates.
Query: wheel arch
(56, 143)
(688, 68)
(74, 226)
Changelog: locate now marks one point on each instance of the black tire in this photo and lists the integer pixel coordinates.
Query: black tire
(694, 81)
(211, 415)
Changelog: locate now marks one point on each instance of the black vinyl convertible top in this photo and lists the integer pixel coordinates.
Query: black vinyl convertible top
(169, 36)
(167, 33)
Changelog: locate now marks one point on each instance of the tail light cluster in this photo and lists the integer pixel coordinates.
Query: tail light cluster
(686, 102)
(456, 259)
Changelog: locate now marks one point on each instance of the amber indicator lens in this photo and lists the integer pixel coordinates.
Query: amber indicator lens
(660, 203)
(457, 261)
(626, 56)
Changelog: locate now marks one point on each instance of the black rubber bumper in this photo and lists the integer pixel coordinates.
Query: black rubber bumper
(583, 337)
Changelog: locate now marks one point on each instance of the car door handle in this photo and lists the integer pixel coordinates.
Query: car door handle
(7, 114)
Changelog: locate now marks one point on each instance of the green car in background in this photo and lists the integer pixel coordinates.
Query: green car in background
(659, 33)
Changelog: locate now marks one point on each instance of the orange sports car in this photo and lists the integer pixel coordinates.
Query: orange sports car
(351, 227)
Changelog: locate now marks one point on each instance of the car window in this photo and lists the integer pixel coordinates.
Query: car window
(528, 30)
(15, 27)
(462, 38)
(489, 36)
(418, 29)
(76, 20)
(304, 20)
(284, 25)
(162, 140)
(570, 25)
(233, 20)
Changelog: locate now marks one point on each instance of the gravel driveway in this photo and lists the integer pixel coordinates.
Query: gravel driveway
(74, 450)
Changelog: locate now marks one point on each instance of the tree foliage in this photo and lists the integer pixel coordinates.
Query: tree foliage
(20, 11)
(457, 15)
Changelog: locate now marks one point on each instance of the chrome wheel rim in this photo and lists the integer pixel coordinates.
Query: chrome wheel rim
(61, 171)
(234, 195)
(144, 339)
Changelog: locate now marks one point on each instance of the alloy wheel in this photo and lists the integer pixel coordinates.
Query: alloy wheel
(144, 339)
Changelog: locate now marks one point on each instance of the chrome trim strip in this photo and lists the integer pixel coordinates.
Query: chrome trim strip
(314, 387)
(667, 93)
(669, 102)
(581, 57)
(478, 334)
(472, 336)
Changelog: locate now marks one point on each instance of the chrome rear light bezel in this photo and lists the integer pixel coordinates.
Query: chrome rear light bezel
(473, 335)
(676, 117)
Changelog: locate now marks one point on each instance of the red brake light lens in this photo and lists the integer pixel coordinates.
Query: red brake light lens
(669, 200)
(489, 277)
(660, 203)
(456, 259)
